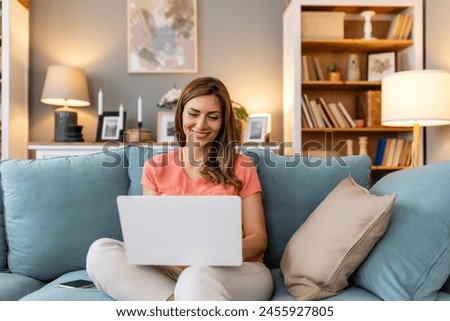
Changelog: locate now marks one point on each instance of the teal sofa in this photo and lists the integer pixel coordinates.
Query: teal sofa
(51, 210)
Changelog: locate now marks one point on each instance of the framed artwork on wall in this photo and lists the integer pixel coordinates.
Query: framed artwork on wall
(162, 36)
(380, 64)
(166, 127)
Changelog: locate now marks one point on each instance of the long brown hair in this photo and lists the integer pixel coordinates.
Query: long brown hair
(219, 165)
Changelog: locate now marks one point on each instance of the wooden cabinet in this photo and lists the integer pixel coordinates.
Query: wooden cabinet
(14, 82)
(50, 150)
(408, 55)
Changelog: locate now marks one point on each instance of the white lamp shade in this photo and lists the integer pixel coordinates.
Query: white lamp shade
(65, 86)
(416, 97)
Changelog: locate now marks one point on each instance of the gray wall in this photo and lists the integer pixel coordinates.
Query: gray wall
(437, 44)
(240, 42)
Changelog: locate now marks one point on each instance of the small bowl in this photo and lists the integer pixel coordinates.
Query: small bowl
(132, 135)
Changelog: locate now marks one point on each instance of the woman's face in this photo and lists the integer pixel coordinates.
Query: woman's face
(202, 119)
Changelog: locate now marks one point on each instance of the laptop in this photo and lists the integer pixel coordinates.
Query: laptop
(181, 230)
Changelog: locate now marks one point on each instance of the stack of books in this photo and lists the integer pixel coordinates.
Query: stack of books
(316, 113)
(393, 152)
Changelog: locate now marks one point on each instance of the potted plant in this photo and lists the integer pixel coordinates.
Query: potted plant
(241, 115)
(334, 73)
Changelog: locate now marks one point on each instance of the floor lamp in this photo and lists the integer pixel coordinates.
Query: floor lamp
(416, 98)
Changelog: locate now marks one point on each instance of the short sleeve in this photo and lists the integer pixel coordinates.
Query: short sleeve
(150, 172)
(246, 172)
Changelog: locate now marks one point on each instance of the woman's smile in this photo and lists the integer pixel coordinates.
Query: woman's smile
(202, 119)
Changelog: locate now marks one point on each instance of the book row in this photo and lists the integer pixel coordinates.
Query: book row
(400, 27)
(317, 113)
(311, 68)
(393, 152)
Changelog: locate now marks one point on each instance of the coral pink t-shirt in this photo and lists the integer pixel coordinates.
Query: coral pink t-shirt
(165, 175)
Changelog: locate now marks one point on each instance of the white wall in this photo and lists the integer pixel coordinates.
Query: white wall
(437, 44)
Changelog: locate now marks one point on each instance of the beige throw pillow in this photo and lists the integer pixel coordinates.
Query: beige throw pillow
(334, 240)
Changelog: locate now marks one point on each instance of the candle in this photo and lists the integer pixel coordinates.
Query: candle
(121, 117)
(100, 102)
(139, 111)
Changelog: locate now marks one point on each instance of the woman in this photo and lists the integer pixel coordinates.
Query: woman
(207, 163)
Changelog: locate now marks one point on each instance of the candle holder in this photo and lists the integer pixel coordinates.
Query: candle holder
(140, 130)
(98, 137)
(121, 136)
(367, 23)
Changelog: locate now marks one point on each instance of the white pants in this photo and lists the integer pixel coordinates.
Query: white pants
(107, 267)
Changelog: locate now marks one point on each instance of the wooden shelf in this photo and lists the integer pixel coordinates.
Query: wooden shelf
(388, 168)
(360, 45)
(359, 130)
(325, 84)
(355, 9)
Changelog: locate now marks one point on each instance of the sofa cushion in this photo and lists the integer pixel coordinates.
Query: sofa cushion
(442, 296)
(412, 260)
(137, 156)
(3, 245)
(293, 186)
(352, 293)
(15, 286)
(55, 208)
(52, 292)
(334, 240)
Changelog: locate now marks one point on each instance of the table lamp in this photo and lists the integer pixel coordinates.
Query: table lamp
(416, 98)
(65, 86)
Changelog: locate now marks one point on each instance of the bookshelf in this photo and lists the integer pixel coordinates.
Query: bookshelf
(297, 45)
(14, 79)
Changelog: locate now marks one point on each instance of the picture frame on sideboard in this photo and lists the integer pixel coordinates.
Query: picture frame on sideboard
(258, 128)
(108, 126)
(166, 127)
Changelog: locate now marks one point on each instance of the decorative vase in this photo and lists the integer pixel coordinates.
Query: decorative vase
(368, 23)
(353, 69)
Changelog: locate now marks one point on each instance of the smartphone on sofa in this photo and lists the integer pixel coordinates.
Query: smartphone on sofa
(77, 284)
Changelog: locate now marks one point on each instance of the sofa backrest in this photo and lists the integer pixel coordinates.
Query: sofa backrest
(293, 186)
(137, 156)
(55, 208)
(49, 234)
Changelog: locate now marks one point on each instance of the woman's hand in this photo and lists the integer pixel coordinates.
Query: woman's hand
(146, 191)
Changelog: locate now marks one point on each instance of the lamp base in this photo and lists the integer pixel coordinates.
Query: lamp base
(62, 121)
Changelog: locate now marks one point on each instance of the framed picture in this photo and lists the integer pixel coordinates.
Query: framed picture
(166, 127)
(162, 36)
(257, 129)
(380, 65)
(108, 126)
